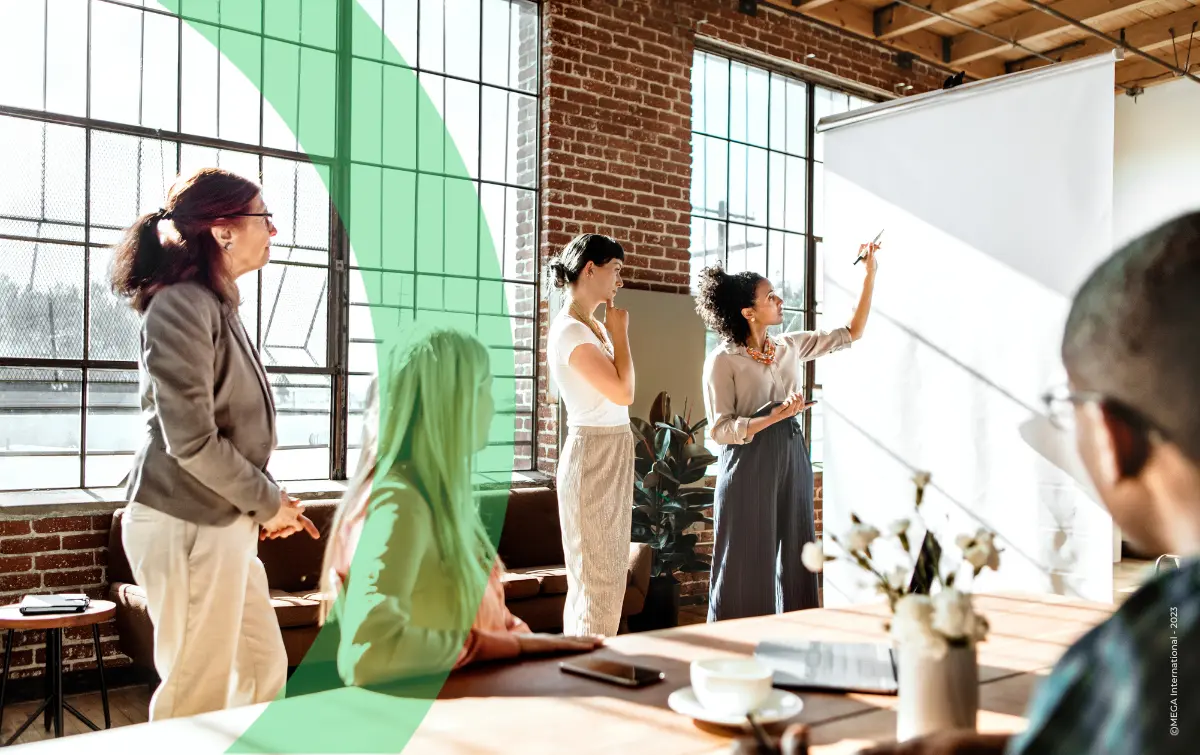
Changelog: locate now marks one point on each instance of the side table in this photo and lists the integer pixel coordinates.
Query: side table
(52, 707)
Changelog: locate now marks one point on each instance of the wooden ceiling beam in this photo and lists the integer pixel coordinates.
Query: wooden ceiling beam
(1148, 35)
(896, 20)
(1032, 25)
(1139, 71)
(860, 20)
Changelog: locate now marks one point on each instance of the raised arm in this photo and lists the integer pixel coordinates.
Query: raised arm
(858, 323)
(178, 349)
(614, 378)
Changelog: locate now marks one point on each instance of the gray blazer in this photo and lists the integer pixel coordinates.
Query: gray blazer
(209, 413)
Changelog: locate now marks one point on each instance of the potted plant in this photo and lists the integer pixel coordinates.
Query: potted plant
(666, 503)
(934, 626)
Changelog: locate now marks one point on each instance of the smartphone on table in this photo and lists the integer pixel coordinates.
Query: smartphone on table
(613, 672)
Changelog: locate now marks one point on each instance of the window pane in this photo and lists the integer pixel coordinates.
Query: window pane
(23, 53)
(116, 46)
(201, 71)
(41, 300)
(113, 326)
(797, 120)
(716, 96)
(296, 195)
(115, 430)
(294, 315)
(39, 427)
(130, 176)
(42, 196)
(707, 245)
(794, 269)
(66, 57)
(302, 418)
(510, 44)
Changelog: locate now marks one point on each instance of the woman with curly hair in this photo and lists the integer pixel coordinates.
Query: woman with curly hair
(753, 390)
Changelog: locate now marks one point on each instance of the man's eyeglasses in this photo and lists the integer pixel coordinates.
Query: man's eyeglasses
(1061, 402)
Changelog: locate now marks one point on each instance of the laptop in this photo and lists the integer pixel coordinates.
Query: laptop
(37, 605)
(831, 666)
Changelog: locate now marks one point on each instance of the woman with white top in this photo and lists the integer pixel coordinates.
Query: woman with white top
(594, 374)
(753, 390)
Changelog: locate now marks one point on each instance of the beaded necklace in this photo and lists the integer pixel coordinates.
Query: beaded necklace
(767, 355)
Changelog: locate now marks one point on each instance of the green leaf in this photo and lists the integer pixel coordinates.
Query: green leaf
(674, 431)
(696, 428)
(651, 479)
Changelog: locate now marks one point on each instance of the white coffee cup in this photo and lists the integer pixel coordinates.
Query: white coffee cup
(731, 686)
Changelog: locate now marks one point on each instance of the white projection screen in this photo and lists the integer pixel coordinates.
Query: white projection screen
(996, 202)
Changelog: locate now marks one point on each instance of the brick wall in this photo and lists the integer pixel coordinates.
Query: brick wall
(56, 555)
(616, 134)
(616, 125)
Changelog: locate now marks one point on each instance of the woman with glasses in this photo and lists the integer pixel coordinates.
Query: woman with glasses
(753, 392)
(200, 496)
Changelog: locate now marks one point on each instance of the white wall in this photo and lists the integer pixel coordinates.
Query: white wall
(1156, 160)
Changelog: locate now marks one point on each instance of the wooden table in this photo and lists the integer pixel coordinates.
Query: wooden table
(11, 618)
(532, 707)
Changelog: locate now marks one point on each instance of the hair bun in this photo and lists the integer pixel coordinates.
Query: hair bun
(559, 274)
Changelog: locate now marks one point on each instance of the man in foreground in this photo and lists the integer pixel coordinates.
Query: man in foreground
(1131, 348)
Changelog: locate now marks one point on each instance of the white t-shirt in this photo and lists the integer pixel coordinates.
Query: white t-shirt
(586, 406)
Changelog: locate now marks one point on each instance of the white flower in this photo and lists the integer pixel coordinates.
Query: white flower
(977, 555)
(912, 625)
(898, 527)
(897, 577)
(921, 479)
(954, 616)
(860, 538)
(812, 555)
(964, 541)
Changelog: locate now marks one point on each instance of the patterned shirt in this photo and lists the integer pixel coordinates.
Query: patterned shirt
(1131, 686)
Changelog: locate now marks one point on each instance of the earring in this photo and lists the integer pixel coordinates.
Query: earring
(228, 245)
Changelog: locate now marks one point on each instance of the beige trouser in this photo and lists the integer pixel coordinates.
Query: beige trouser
(595, 509)
(217, 642)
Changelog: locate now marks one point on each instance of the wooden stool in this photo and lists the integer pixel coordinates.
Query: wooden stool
(52, 707)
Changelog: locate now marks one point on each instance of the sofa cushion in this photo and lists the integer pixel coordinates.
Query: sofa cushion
(293, 563)
(519, 586)
(552, 580)
(295, 609)
(531, 536)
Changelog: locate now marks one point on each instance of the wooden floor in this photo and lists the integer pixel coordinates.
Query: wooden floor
(130, 705)
(127, 705)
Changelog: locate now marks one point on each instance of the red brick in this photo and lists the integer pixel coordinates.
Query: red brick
(11, 527)
(63, 524)
(83, 542)
(15, 565)
(12, 582)
(66, 560)
(76, 578)
(30, 544)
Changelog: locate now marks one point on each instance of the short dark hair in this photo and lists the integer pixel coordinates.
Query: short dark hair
(720, 299)
(145, 262)
(566, 267)
(1132, 331)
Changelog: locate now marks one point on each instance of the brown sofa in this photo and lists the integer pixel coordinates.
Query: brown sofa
(530, 546)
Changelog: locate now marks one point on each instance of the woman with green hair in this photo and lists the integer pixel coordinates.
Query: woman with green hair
(413, 578)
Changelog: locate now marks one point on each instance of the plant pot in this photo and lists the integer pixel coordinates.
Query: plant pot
(661, 610)
(936, 693)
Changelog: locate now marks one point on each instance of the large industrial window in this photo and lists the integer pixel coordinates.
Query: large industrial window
(757, 185)
(104, 102)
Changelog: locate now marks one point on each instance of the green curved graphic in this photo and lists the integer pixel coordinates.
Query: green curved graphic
(398, 220)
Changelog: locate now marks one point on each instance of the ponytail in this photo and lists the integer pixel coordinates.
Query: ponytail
(176, 244)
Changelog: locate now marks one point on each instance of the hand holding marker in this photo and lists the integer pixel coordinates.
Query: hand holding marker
(863, 256)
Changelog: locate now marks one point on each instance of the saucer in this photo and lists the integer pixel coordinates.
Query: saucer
(780, 705)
